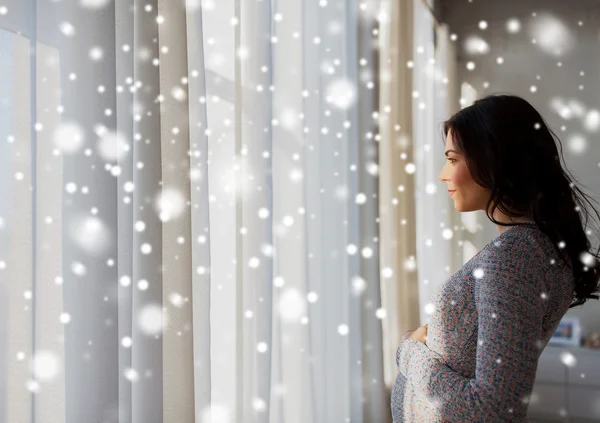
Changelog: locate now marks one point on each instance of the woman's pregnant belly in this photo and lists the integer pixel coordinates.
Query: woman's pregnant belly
(410, 405)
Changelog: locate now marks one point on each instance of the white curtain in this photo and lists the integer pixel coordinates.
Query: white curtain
(397, 208)
(189, 228)
(447, 103)
(418, 91)
(435, 100)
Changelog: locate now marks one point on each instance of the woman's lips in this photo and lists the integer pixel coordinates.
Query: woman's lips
(451, 192)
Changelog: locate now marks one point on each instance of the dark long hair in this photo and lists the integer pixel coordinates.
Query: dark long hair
(510, 149)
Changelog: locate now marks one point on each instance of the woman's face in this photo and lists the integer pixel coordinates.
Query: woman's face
(468, 195)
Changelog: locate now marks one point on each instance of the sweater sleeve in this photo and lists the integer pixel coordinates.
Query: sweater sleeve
(509, 312)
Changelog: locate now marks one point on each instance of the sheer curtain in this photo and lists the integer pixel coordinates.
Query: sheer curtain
(397, 208)
(436, 100)
(418, 220)
(447, 103)
(190, 224)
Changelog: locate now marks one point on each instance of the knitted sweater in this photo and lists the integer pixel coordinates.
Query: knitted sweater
(491, 321)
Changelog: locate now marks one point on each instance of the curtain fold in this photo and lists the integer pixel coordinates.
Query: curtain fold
(256, 197)
(49, 339)
(293, 398)
(177, 235)
(446, 104)
(124, 65)
(397, 186)
(17, 229)
(366, 310)
(148, 282)
(434, 101)
(200, 239)
(429, 243)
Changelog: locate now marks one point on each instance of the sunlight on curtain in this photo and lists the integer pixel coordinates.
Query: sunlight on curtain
(447, 102)
(418, 92)
(434, 102)
(191, 231)
(430, 254)
(473, 237)
(30, 231)
(397, 226)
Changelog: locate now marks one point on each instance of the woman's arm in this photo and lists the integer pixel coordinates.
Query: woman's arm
(510, 311)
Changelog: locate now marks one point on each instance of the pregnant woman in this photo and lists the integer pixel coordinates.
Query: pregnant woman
(476, 359)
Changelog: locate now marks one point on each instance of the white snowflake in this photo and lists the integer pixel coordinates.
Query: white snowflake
(112, 146)
(387, 272)
(592, 121)
(45, 365)
(68, 137)
(577, 144)
(341, 93)
(551, 34)
(358, 285)
(170, 204)
(410, 168)
(94, 4)
(67, 29)
(447, 233)
(587, 259)
(78, 269)
(176, 299)
(143, 284)
(568, 359)
(476, 45)
(131, 375)
(96, 54)
(215, 413)
(291, 305)
(152, 320)
(513, 25)
(65, 318)
(90, 234)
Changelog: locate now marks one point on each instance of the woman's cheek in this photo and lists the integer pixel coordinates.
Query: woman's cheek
(458, 176)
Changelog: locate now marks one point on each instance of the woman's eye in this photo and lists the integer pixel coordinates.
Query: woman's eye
(451, 160)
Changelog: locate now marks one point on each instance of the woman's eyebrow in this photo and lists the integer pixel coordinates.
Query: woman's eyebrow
(450, 151)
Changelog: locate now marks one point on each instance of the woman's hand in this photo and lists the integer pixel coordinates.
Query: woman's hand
(420, 334)
(406, 335)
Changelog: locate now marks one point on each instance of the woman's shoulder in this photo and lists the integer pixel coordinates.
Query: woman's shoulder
(523, 245)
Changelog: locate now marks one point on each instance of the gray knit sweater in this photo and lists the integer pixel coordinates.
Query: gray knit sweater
(492, 319)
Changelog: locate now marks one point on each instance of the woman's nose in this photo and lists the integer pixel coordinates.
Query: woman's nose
(441, 176)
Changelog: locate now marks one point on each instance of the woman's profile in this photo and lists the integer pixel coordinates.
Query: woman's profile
(476, 359)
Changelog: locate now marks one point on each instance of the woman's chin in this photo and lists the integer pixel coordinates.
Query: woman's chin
(458, 206)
